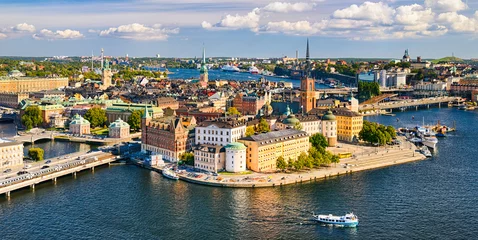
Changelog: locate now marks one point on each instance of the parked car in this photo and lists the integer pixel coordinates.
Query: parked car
(7, 170)
(48, 161)
(27, 166)
(45, 167)
(21, 173)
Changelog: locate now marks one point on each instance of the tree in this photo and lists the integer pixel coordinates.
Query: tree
(134, 120)
(263, 126)
(250, 131)
(281, 163)
(290, 164)
(375, 133)
(335, 159)
(298, 126)
(318, 141)
(32, 117)
(96, 116)
(36, 154)
(187, 158)
(232, 111)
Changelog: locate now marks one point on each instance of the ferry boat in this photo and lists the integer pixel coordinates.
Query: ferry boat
(168, 173)
(349, 220)
(230, 68)
(253, 70)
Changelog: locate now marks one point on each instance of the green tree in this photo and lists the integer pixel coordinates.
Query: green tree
(290, 164)
(375, 133)
(134, 120)
(32, 117)
(187, 158)
(263, 126)
(318, 141)
(335, 159)
(281, 164)
(96, 116)
(36, 154)
(298, 126)
(250, 131)
(232, 111)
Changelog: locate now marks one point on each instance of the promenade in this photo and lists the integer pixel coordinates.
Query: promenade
(364, 158)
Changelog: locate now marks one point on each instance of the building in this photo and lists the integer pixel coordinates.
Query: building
(220, 132)
(106, 76)
(235, 157)
(307, 87)
(349, 124)
(29, 84)
(209, 158)
(49, 94)
(11, 99)
(250, 104)
(124, 110)
(167, 102)
(11, 154)
(264, 149)
(118, 129)
(204, 76)
(79, 125)
(395, 79)
(166, 138)
(57, 120)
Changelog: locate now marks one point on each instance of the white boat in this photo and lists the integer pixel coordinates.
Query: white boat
(349, 220)
(332, 85)
(253, 70)
(415, 140)
(168, 173)
(430, 142)
(425, 151)
(230, 68)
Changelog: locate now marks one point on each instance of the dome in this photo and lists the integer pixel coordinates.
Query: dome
(119, 124)
(287, 111)
(328, 116)
(291, 120)
(77, 119)
(235, 146)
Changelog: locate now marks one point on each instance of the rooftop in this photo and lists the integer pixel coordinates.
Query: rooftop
(275, 136)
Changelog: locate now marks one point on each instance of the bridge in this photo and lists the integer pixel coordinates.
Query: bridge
(409, 103)
(346, 91)
(51, 174)
(35, 136)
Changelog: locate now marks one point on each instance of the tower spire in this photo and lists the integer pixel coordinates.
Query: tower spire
(307, 59)
(203, 54)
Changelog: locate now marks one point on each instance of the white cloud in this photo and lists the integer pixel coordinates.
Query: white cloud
(46, 34)
(458, 22)
(3, 36)
(139, 32)
(285, 7)
(413, 15)
(294, 28)
(24, 27)
(377, 12)
(250, 21)
(446, 5)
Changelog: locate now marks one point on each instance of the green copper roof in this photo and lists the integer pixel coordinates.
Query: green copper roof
(118, 124)
(291, 120)
(235, 146)
(77, 119)
(328, 116)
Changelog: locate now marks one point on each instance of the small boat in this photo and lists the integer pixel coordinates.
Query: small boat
(425, 151)
(230, 68)
(168, 173)
(440, 134)
(349, 220)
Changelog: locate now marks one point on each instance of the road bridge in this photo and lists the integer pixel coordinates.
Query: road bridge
(408, 103)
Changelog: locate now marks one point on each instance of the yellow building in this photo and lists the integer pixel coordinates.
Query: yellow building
(11, 154)
(349, 124)
(264, 149)
(28, 84)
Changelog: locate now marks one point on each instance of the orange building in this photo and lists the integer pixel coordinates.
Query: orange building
(27, 84)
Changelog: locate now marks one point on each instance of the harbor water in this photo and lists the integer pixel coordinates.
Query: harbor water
(430, 199)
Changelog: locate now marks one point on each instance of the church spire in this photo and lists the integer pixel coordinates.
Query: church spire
(203, 55)
(307, 59)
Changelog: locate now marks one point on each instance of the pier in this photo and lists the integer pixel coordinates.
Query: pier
(69, 167)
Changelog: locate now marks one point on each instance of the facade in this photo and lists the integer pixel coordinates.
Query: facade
(79, 125)
(209, 158)
(118, 129)
(28, 84)
(50, 110)
(349, 124)
(124, 110)
(235, 157)
(167, 102)
(106, 76)
(58, 121)
(49, 94)
(11, 99)
(11, 154)
(199, 115)
(220, 132)
(390, 79)
(250, 105)
(166, 138)
(329, 128)
(264, 149)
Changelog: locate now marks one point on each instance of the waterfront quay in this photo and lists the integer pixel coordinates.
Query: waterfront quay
(363, 158)
(65, 165)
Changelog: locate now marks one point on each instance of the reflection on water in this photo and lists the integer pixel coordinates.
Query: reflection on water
(57, 148)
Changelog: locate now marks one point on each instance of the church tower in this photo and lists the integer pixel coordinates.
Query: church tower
(307, 86)
(204, 77)
(106, 74)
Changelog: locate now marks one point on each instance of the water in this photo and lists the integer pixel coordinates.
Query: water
(57, 148)
(431, 199)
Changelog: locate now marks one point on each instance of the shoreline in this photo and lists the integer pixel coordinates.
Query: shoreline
(371, 158)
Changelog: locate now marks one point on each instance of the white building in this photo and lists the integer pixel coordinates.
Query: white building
(390, 79)
(438, 86)
(210, 158)
(220, 132)
(11, 154)
(235, 157)
(118, 129)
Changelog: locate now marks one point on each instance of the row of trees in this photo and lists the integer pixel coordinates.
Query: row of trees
(375, 133)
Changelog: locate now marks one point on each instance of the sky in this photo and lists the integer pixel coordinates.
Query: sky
(240, 28)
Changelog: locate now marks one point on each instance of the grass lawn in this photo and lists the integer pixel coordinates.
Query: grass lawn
(100, 131)
(239, 173)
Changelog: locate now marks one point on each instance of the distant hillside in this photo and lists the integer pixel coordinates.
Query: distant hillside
(448, 59)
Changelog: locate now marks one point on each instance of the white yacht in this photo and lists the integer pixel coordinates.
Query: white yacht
(230, 68)
(425, 151)
(349, 220)
(169, 173)
(253, 70)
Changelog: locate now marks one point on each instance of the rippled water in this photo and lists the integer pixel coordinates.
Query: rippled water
(431, 199)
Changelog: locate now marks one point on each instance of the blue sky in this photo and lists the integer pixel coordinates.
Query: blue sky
(239, 28)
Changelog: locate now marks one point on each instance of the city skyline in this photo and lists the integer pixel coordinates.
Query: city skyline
(243, 28)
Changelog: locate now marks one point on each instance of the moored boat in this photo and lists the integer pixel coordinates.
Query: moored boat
(425, 151)
(168, 173)
(348, 220)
